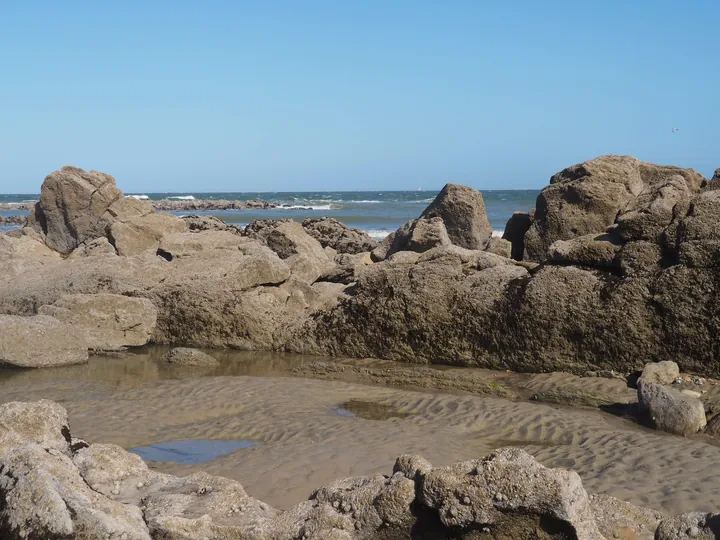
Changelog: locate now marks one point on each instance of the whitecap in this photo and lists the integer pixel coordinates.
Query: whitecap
(365, 202)
(183, 197)
(377, 234)
(140, 197)
(498, 234)
(307, 207)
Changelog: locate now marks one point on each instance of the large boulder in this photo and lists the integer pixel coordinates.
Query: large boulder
(330, 232)
(109, 321)
(134, 235)
(40, 341)
(589, 197)
(669, 410)
(598, 251)
(462, 209)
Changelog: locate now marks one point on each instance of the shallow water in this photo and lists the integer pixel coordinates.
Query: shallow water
(134, 401)
(190, 452)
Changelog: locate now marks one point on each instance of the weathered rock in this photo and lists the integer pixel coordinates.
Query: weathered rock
(97, 247)
(209, 223)
(713, 426)
(185, 243)
(40, 341)
(183, 356)
(697, 239)
(664, 372)
(499, 246)
(43, 422)
(597, 251)
(670, 410)
(619, 519)
(426, 234)
(462, 210)
(109, 321)
(204, 506)
(303, 253)
(347, 267)
(70, 509)
(639, 258)
(589, 197)
(73, 207)
(490, 491)
(692, 526)
(330, 232)
(137, 234)
(515, 230)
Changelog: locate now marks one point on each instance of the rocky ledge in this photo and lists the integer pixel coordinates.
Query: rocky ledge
(54, 486)
(616, 267)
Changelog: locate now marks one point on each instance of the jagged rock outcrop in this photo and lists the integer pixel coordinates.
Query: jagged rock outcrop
(40, 341)
(340, 237)
(589, 197)
(209, 223)
(93, 491)
(108, 321)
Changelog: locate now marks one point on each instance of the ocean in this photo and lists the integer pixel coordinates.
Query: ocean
(377, 212)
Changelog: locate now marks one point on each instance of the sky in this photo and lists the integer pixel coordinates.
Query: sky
(352, 95)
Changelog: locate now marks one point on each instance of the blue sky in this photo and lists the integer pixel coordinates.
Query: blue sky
(276, 95)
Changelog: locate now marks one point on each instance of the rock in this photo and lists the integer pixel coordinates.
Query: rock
(462, 210)
(412, 466)
(43, 422)
(697, 238)
(597, 251)
(303, 253)
(185, 243)
(692, 526)
(183, 356)
(205, 506)
(210, 204)
(109, 321)
(330, 232)
(137, 234)
(70, 509)
(640, 258)
(97, 247)
(493, 490)
(670, 410)
(426, 234)
(40, 341)
(209, 223)
(515, 230)
(713, 426)
(347, 267)
(73, 207)
(664, 372)
(618, 519)
(588, 198)
(499, 246)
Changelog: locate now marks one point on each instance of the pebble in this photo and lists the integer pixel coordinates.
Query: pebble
(140, 485)
(466, 500)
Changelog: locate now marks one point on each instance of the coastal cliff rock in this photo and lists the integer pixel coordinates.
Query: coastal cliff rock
(340, 237)
(91, 491)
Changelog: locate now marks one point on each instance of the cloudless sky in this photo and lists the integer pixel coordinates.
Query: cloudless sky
(345, 95)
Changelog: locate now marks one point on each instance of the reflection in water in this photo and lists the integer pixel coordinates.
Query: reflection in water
(369, 410)
(190, 451)
(144, 365)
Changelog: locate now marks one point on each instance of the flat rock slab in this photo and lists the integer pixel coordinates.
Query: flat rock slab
(40, 341)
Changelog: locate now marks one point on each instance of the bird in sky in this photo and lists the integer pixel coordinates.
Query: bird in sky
(675, 129)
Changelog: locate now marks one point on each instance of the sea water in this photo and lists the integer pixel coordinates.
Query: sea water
(377, 212)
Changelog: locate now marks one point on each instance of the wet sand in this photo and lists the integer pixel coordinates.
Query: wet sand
(319, 420)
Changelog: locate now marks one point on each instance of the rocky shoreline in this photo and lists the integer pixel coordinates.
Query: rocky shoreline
(176, 205)
(615, 270)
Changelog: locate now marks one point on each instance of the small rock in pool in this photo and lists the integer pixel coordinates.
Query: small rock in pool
(189, 357)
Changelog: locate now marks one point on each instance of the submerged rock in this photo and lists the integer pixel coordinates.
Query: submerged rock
(184, 356)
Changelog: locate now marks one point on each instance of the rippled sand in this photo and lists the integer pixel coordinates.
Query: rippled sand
(134, 402)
